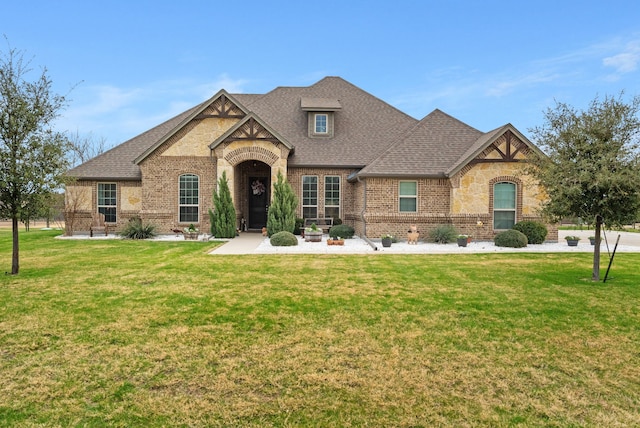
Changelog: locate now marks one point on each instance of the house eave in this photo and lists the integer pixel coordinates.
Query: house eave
(106, 178)
(402, 176)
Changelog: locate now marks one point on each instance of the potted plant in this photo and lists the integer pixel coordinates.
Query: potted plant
(463, 240)
(335, 241)
(572, 241)
(313, 233)
(191, 232)
(387, 240)
(592, 240)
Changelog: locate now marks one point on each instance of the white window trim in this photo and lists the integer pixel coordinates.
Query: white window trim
(197, 205)
(400, 196)
(326, 123)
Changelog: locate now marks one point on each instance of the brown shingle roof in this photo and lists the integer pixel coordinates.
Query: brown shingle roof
(363, 127)
(368, 134)
(428, 149)
(118, 163)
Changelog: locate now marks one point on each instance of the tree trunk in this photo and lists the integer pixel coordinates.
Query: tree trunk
(15, 261)
(596, 251)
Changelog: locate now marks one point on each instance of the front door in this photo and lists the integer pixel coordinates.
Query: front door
(258, 202)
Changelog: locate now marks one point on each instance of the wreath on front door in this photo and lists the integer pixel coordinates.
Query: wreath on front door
(257, 187)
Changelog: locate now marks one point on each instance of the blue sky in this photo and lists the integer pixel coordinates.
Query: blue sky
(132, 64)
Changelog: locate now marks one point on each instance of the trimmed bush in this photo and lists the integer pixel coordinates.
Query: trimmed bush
(511, 238)
(443, 234)
(342, 230)
(536, 232)
(283, 239)
(135, 229)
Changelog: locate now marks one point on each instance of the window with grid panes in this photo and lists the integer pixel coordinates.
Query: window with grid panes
(332, 196)
(107, 201)
(309, 196)
(188, 202)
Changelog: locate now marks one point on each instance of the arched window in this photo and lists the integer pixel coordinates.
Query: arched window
(504, 205)
(188, 201)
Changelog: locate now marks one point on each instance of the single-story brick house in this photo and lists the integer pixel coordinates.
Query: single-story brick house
(346, 153)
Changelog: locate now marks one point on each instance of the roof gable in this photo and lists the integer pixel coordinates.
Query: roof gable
(220, 105)
(117, 163)
(504, 144)
(249, 128)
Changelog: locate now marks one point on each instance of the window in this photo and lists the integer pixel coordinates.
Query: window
(332, 196)
(504, 205)
(107, 198)
(408, 196)
(189, 199)
(321, 121)
(309, 196)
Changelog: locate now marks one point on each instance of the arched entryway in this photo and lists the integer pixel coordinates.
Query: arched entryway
(253, 193)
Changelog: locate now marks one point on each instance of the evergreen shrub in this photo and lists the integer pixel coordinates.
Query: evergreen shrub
(511, 238)
(342, 230)
(536, 232)
(283, 239)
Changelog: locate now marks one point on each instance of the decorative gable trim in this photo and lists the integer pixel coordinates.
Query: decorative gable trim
(250, 128)
(505, 144)
(506, 148)
(223, 107)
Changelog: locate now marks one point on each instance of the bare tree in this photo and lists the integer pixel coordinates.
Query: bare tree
(75, 201)
(85, 147)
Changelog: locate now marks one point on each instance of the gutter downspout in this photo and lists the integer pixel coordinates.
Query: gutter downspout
(364, 207)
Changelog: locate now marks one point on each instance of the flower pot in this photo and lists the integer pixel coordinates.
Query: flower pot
(191, 236)
(335, 241)
(462, 242)
(313, 236)
(386, 242)
(572, 242)
(592, 241)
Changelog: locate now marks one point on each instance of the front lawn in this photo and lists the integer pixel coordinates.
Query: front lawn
(126, 333)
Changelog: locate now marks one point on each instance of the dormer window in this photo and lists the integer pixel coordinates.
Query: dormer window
(321, 121)
(321, 115)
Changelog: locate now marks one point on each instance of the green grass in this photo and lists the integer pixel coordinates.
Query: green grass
(128, 333)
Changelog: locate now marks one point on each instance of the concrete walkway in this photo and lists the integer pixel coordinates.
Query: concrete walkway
(245, 243)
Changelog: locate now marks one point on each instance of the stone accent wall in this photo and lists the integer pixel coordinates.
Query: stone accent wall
(200, 135)
(471, 188)
(231, 154)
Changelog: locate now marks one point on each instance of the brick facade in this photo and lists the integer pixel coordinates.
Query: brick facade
(371, 206)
